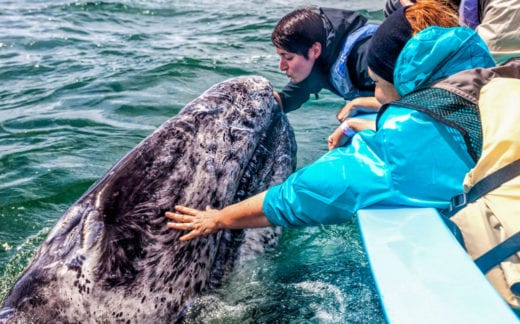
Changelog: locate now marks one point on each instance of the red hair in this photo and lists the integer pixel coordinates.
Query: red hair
(426, 13)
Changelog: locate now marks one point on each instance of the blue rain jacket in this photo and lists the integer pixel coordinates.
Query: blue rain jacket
(411, 159)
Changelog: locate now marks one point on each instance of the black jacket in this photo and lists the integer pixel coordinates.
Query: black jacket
(338, 25)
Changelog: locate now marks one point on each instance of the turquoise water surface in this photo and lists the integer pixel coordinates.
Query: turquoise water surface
(84, 81)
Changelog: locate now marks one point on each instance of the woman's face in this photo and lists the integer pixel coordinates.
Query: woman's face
(296, 66)
(385, 91)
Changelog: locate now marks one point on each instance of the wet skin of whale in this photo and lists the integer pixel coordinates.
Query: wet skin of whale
(110, 257)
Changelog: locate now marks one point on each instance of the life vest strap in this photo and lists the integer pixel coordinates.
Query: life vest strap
(499, 253)
(510, 246)
(484, 186)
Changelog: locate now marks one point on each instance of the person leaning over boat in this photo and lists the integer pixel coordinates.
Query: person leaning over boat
(428, 13)
(323, 48)
(420, 15)
(411, 159)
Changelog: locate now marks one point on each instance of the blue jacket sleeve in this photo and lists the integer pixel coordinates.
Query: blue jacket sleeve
(323, 193)
(412, 160)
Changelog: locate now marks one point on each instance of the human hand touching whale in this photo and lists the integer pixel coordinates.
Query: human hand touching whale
(245, 214)
(197, 222)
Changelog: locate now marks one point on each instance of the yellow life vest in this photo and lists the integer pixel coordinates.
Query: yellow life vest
(495, 217)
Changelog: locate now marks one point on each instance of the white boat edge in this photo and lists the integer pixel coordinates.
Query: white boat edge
(422, 274)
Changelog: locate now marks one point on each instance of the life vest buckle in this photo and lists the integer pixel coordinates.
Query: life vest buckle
(458, 201)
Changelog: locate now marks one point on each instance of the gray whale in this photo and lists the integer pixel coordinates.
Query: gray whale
(110, 257)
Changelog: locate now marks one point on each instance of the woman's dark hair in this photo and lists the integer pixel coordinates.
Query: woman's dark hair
(298, 31)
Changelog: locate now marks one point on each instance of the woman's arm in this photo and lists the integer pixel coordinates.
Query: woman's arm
(358, 105)
(347, 129)
(245, 214)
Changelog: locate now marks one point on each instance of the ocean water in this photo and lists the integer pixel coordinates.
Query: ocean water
(82, 82)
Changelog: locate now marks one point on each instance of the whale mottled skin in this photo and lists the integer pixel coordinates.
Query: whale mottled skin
(111, 258)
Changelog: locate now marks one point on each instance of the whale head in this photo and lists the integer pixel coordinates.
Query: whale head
(110, 256)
